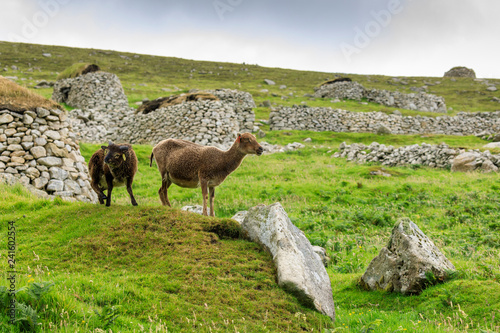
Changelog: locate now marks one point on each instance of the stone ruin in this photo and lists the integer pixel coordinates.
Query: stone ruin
(460, 72)
(353, 90)
(96, 90)
(206, 122)
(39, 150)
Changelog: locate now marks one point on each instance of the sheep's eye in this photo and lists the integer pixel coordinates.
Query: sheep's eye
(117, 155)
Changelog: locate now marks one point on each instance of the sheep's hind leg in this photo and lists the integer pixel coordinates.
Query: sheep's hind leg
(204, 193)
(212, 197)
(129, 190)
(163, 191)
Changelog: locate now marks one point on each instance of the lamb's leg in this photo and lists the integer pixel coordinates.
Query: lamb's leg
(163, 191)
(204, 193)
(109, 180)
(212, 197)
(129, 190)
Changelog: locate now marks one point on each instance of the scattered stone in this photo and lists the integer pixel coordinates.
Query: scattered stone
(240, 216)
(406, 263)
(269, 82)
(382, 130)
(492, 88)
(492, 145)
(321, 252)
(197, 209)
(465, 162)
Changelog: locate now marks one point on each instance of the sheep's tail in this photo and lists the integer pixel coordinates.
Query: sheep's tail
(151, 160)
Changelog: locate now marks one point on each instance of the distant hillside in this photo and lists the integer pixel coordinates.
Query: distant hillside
(146, 76)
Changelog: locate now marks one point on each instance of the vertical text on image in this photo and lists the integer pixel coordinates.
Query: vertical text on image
(11, 273)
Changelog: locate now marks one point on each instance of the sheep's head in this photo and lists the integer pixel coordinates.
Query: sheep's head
(248, 144)
(114, 155)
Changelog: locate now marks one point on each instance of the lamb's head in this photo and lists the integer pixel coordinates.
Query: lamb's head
(114, 155)
(248, 144)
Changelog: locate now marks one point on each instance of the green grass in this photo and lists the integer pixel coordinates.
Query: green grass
(161, 266)
(162, 270)
(72, 71)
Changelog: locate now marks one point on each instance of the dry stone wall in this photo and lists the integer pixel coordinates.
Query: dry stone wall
(352, 90)
(205, 122)
(435, 156)
(99, 90)
(38, 149)
(328, 119)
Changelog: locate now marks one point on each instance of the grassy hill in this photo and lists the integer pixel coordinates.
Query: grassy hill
(144, 76)
(159, 269)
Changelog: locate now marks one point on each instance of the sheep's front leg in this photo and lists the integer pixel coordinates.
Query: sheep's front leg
(212, 197)
(109, 180)
(204, 193)
(129, 190)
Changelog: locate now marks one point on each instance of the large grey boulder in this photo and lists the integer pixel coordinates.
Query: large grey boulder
(404, 265)
(465, 162)
(300, 270)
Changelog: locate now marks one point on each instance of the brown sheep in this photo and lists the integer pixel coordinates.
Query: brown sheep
(114, 165)
(190, 165)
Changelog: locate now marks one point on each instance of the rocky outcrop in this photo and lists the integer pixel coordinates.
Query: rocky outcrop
(352, 90)
(98, 91)
(300, 270)
(408, 264)
(434, 156)
(328, 119)
(460, 72)
(38, 149)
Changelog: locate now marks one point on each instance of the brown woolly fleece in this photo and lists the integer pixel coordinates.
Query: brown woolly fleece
(188, 164)
(113, 166)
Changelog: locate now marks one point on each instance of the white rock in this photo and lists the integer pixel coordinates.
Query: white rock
(300, 270)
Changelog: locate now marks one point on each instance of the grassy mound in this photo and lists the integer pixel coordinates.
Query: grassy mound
(13, 97)
(77, 69)
(174, 100)
(154, 267)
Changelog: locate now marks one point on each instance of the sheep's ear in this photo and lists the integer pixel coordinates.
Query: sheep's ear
(104, 147)
(123, 148)
(238, 138)
(110, 143)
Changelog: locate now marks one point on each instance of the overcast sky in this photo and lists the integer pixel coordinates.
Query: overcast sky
(391, 37)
